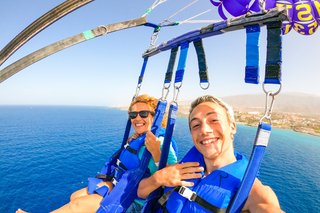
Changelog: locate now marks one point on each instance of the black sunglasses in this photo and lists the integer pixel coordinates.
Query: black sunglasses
(143, 114)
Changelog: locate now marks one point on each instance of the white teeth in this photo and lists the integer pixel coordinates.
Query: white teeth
(208, 141)
(139, 124)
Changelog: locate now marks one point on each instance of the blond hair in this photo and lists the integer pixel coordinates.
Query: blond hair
(210, 98)
(152, 102)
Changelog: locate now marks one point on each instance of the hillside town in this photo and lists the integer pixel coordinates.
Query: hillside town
(296, 122)
(292, 121)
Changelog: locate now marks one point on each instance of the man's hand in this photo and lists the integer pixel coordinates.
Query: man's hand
(171, 176)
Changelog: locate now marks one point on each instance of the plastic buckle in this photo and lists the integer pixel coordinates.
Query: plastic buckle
(126, 145)
(118, 162)
(186, 192)
(114, 181)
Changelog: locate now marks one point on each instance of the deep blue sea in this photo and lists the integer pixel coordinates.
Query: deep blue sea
(48, 152)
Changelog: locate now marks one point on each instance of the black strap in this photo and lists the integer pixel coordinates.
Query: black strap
(194, 197)
(172, 60)
(274, 49)
(133, 151)
(202, 62)
(104, 177)
(122, 165)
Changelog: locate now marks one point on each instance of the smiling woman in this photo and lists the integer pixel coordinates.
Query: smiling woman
(141, 112)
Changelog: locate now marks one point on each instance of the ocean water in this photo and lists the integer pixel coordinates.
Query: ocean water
(48, 152)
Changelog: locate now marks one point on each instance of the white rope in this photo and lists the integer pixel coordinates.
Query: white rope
(155, 4)
(199, 21)
(196, 16)
(182, 10)
(308, 10)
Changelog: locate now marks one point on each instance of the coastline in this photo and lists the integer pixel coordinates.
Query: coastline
(253, 121)
(301, 124)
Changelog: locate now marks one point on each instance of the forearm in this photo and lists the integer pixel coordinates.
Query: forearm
(156, 156)
(148, 185)
(265, 208)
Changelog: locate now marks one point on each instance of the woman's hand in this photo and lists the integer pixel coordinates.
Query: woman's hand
(153, 145)
(134, 136)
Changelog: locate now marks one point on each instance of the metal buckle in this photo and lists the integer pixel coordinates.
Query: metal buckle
(186, 192)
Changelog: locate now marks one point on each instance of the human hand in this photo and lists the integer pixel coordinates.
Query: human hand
(152, 143)
(134, 136)
(177, 174)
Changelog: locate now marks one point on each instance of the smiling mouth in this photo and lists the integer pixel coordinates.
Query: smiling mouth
(138, 125)
(209, 141)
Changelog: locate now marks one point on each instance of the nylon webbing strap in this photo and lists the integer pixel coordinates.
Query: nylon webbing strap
(151, 202)
(121, 165)
(252, 54)
(37, 26)
(260, 144)
(145, 61)
(192, 196)
(104, 177)
(127, 147)
(65, 43)
(168, 136)
(156, 125)
(182, 62)
(274, 53)
(126, 134)
(202, 62)
(126, 190)
(172, 60)
(237, 23)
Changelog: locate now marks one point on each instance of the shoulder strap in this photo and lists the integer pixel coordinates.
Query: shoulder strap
(260, 145)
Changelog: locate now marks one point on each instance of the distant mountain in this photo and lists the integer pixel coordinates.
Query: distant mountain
(299, 103)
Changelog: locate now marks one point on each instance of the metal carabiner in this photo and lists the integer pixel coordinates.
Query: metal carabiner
(154, 38)
(268, 108)
(176, 93)
(137, 90)
(164, 96)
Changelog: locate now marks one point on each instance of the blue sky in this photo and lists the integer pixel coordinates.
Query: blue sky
(104, 71)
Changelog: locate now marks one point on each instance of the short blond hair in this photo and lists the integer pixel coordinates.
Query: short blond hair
(152, 102)
(210, 98)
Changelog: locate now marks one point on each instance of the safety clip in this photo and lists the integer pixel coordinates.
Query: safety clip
(187, 193)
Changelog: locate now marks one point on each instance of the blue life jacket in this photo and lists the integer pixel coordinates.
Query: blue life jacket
(216, 190)
(121, 161)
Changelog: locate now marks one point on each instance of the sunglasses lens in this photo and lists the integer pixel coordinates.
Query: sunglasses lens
(133, 115)
(144, 114)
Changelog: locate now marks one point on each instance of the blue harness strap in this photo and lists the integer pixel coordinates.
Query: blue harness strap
(122, 196)
(274, 53)
(151, 205)
(145, 61)
(260, 145)
(182, 62)
(252, 54)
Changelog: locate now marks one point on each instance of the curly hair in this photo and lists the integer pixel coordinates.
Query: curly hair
(152, 102)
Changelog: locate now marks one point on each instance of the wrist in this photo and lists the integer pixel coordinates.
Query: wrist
(157, 177)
